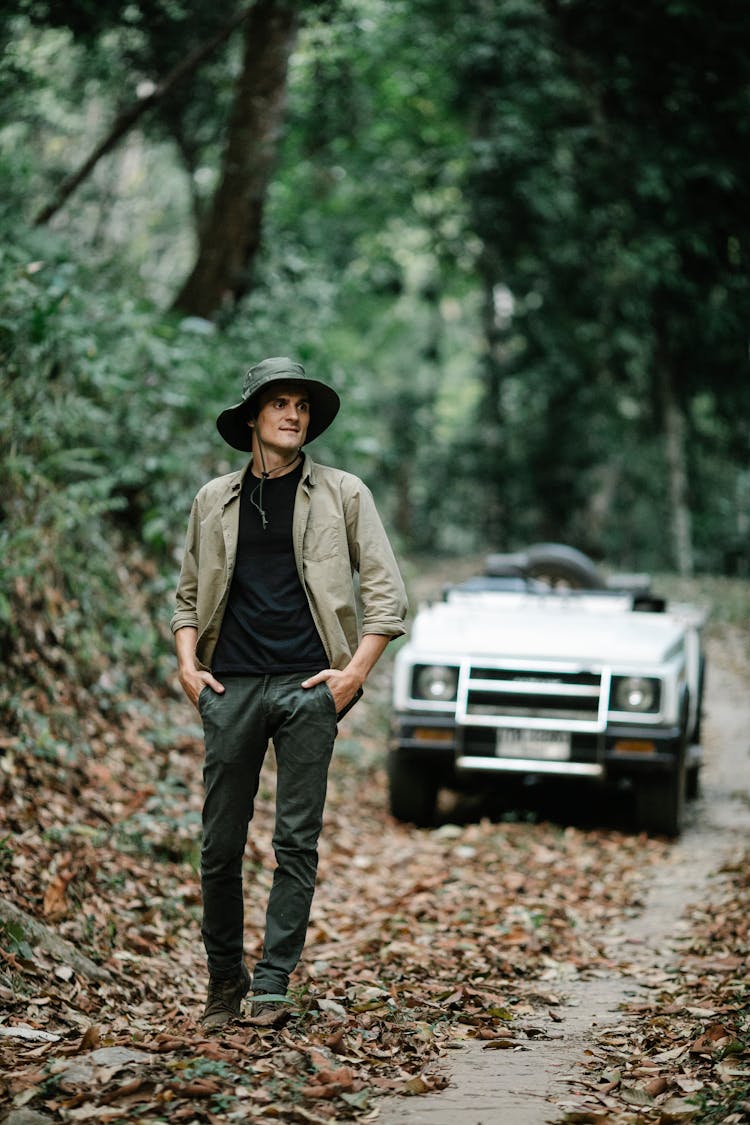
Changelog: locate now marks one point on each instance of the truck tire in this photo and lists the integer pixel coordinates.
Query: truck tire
(559, 565)
(660, 802)
(693, 783)
(696, 735)
(412, 789)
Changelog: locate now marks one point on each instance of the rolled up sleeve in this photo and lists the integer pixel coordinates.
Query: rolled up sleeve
(186, 596)
(382, 592)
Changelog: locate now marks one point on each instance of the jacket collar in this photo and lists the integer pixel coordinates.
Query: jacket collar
(232, 486)
(309, 470)
(236, 480)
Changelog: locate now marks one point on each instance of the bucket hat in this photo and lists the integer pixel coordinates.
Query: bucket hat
(324, 402)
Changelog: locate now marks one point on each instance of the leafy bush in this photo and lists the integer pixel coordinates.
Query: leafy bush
(94, 389)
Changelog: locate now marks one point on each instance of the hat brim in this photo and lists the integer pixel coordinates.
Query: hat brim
(324, 406)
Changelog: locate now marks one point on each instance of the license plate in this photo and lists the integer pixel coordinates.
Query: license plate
(545, 745)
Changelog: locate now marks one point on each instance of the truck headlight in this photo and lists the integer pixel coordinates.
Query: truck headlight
(635, 693)
(435, 682)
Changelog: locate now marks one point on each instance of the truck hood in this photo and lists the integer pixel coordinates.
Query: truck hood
(553, 628)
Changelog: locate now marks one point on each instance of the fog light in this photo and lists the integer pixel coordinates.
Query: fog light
(432, 734)
(634, 746)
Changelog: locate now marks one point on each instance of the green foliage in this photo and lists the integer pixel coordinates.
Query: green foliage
(85, 387)
(477, 212)
(14, 941)
(606, 150)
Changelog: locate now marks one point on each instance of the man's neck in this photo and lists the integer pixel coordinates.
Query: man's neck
(272, 463)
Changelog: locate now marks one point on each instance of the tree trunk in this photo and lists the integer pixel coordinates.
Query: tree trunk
(674, 435)
(490, 420)
(231, 236)
(673, 421)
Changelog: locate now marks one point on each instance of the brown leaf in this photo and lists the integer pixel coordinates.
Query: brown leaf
(494, 1033)
(342, 1077)
(319, 1090)
(655, 1086)
(337, 1042)
(419, 1084)
(56, 898)
(90, 1039)
(135, 1086)
(713, 1038)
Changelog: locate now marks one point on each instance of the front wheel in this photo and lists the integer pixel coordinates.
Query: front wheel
(693, 785)
(413, 789)
(660, 802)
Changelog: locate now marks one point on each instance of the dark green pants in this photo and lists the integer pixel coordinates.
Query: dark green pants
(237, 727)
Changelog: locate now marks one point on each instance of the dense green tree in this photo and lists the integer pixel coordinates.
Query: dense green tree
(607, 156)
(674, 94)
(512, 235)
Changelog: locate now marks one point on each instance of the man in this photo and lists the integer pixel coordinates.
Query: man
(270, 646)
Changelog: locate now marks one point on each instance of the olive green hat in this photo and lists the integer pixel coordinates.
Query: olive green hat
(324, 402)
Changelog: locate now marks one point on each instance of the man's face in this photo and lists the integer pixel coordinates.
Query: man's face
(283, 417)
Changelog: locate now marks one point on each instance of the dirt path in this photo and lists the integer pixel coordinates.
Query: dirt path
(530, 1086)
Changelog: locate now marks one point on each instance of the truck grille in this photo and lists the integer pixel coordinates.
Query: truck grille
(539, 696)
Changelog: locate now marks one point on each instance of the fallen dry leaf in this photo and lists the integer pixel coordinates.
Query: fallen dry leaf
(473, 934)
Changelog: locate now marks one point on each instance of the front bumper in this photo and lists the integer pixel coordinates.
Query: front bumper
(619, 750)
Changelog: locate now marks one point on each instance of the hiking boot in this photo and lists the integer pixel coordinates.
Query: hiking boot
(269, 1013)
(225, 998)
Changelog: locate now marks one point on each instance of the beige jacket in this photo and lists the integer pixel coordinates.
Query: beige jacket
(336, 531)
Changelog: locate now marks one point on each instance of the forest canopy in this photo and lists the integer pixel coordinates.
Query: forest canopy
(514, 236)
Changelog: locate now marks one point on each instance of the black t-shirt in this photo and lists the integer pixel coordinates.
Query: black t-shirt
(267, 625)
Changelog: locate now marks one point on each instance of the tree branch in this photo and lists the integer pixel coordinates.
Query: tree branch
(125, 120)
(39, 934)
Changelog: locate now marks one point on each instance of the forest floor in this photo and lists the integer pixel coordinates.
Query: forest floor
(547, 966)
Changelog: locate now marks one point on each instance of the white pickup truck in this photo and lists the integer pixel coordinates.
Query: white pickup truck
(540, 668)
